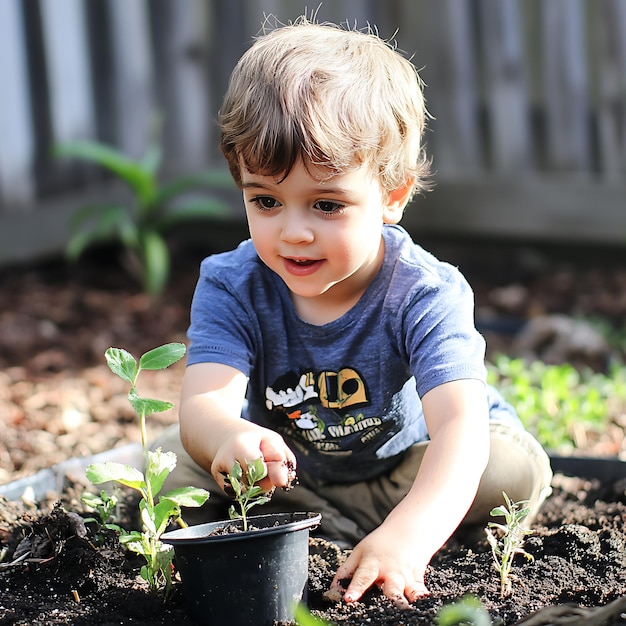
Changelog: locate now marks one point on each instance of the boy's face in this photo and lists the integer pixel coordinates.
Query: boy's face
(321, 234)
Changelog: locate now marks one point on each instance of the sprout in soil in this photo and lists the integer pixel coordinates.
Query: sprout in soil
(468, 611)
(156, 511)
(511, 540)
(244, 489)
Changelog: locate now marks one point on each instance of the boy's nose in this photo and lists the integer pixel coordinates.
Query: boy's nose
(295, 228)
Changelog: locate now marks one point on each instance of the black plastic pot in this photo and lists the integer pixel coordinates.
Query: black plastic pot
(251, 578)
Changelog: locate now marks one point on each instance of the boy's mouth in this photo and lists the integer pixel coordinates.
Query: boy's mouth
(301, 267)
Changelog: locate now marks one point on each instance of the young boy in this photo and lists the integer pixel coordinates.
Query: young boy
(330, 342)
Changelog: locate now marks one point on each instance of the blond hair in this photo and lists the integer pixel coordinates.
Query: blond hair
(341, 98)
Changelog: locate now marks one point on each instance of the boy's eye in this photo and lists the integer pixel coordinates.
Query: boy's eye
(265, 202)
(328, 206)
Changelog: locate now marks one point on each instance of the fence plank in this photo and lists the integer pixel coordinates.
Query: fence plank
(611, 66)
(67, 54)
(566, 85)
(450, 61)
(180, 29)
(17, 144)
(506, 85)
(133, 74)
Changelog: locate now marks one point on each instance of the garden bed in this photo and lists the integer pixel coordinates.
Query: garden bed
(58, 400)
(578, 545)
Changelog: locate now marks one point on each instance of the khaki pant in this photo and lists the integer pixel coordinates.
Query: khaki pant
(517, 465)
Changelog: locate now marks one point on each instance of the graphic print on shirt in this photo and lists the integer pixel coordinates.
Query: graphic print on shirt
(321, 409)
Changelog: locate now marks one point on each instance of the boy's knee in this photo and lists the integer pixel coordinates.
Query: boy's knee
(518, 466)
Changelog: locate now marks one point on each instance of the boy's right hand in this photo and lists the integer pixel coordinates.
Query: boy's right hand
(246, 442)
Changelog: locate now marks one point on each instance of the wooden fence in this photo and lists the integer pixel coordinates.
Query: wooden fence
(528, 97)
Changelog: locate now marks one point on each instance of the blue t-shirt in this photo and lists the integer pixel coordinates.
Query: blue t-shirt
(344, 395)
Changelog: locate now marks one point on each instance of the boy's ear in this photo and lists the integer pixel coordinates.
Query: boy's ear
(397, 201)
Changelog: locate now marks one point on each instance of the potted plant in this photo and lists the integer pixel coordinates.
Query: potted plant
(246, 570)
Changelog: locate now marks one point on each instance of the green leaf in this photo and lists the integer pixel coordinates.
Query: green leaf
(147, 519)
(122, 363)
(201, 209)
(162, 357)
(215, 179)
(163, 512)
(236, 472)
(160, 465)
(151, 160)
(98, 223)
(99, 473)
(187, 496)
(257, 470)
(469, 611)
(156, 262)
(498, 511)
(132, 172)
(133, 541)
(147, 406)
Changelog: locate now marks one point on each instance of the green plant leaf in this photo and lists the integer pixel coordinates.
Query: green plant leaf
(201, 209)
(214, 179)
(163, 356)
(99, 473)
(151, 160)
(163, 512)
(159, 466)
(99, 223)
(122, 363)
(257, 470)
(156, 262)
(468, 611)
(132, 172)
(187, 496)
(147, 406)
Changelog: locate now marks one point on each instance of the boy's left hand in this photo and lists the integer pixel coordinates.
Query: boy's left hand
(383, 558)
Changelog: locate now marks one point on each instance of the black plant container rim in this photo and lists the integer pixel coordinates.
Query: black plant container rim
(263, 525)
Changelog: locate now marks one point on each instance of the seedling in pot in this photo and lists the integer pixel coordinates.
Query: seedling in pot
(156, 511)
(512, 539)
(245, 490)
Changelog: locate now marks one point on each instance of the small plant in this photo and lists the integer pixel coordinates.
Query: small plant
(154, 209)
(245, 490)
(468, 611)
(559, 404)
(156, 511)
(512, 534)
(104, 505)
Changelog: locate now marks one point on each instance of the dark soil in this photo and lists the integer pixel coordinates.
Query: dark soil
(59, 400)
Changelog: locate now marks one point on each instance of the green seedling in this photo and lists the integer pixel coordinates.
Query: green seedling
(246, 491)
(468, 611)
(140, 224)
(560, 404)
(104, 505)
(156, 511)
(512, 534)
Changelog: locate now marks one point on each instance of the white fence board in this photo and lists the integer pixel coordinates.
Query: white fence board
(566, 84)
(505, 85)
(134, 87)
(69, 76)
(16, 145)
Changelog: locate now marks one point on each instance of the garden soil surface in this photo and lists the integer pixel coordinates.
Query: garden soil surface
(59, 400)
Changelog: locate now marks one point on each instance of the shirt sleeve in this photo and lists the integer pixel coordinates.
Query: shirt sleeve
(222, 328)
(441, 339)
